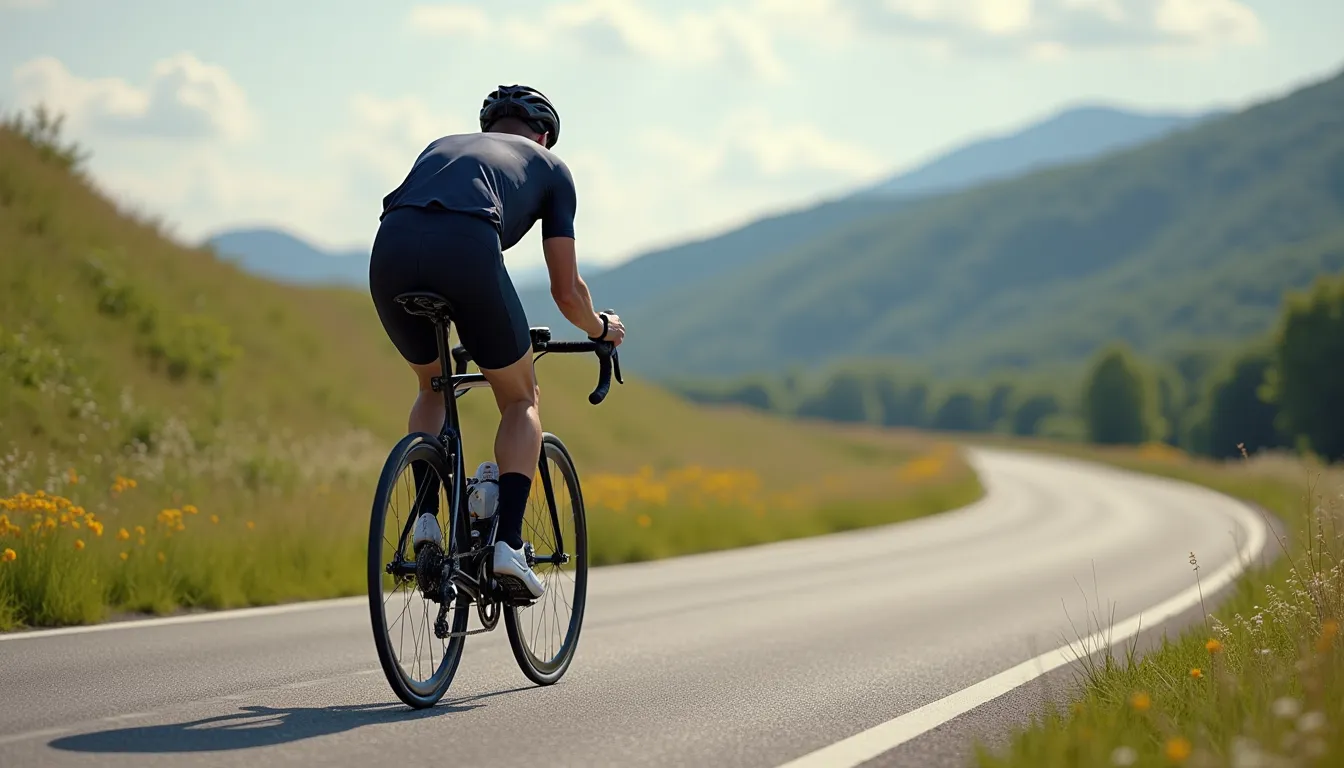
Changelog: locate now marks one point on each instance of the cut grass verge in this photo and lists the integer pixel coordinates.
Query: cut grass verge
(1255, 684)
(86, 548)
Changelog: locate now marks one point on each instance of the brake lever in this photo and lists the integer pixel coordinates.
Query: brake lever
(615, 356)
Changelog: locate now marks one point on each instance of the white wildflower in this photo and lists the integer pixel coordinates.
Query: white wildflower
(1311, 722)
(1286, 708)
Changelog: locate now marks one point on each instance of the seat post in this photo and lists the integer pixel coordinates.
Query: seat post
(442, 326)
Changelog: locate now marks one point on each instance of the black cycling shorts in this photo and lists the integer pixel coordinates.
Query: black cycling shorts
(458, 257)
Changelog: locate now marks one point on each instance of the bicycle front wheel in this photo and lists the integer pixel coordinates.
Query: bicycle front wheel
(403, 594)
(545, 634)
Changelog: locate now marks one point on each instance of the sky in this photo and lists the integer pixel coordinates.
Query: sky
(678, 119)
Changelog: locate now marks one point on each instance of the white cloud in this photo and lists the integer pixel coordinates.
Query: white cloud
(751, 35)
(752, 142)
(385, 135)
(184, 98)
(449, 19)
(687, 38)
(1053, 27)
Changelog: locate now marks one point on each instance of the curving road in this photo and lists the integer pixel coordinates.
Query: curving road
(827, 651)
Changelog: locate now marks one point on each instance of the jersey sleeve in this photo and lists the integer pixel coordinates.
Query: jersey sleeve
(561, 205)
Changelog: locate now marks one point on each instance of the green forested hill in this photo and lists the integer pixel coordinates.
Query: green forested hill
(1192, 238)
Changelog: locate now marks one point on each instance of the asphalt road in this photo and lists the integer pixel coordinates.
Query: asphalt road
(754, 657)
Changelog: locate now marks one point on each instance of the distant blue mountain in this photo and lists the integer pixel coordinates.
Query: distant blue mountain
(1075, 135)
(281, 256)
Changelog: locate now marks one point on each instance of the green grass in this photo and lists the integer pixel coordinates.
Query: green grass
(1267, 693)
(124, 354)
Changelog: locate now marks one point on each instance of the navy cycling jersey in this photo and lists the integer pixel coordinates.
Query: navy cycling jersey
(509, 180)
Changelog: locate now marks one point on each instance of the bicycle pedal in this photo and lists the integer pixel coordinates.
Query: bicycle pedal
(513, 592)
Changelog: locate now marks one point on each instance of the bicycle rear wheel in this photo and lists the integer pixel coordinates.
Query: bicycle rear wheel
(545, 634)
(419, 666)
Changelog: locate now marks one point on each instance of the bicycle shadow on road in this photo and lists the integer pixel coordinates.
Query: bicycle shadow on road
(256, 726)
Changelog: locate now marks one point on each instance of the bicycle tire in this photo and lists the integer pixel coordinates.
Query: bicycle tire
(414, 693)
(549, 672)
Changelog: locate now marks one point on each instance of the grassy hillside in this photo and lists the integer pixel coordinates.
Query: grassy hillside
(176, 432)
(1193, 237)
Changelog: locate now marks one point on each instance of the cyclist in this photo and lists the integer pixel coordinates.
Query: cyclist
(468, 198)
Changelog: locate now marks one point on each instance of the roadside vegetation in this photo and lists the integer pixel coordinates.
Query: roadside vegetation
(1256, 684)
(1277, 390)
(177, 434)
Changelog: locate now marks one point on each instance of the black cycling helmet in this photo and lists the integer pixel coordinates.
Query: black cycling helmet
(525, 103)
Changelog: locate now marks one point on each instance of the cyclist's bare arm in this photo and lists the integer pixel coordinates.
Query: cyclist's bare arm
(567, 287)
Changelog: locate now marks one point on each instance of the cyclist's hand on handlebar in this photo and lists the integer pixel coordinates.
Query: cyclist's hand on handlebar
(615, 329)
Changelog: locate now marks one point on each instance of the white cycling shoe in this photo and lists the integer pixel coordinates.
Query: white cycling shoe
(514, 576)
(426, 530)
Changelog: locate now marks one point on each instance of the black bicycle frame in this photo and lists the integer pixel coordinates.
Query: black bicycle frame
(454, 385)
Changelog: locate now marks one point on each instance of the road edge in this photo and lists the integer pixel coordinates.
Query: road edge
(873, 742)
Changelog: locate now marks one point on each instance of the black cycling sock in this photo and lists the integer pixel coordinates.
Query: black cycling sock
(426, 488)
(514, 488)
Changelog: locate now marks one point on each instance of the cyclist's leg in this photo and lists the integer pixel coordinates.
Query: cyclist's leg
(494, 330)
(517, 443)
(393, 270)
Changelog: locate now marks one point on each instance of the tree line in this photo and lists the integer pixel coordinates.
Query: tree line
(1281, 390)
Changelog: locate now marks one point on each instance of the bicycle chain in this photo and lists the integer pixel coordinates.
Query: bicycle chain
(441, 626)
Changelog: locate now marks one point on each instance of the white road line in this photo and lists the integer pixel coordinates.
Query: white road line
(195, 618)
(866, 745)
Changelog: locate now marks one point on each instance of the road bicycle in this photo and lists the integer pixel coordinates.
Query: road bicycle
(438, 584)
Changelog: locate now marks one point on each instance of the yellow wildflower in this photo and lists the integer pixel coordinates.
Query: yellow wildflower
(1213, 646)
(96, 527)
(72, 475)
(251, 525)
(79, 544)
(162, 557)
(644, 521)
(1196, 673)
(1140, 701)
(123, 535)
(190, 509)
(125, 555)
(1178, 749)
(140, 530)
(214, 518)
(8, 556)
